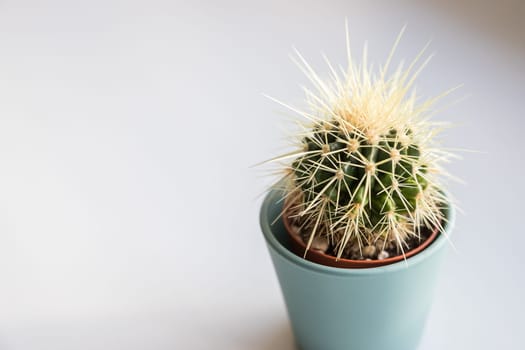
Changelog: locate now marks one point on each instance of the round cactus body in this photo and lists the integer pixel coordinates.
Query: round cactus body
(365, 174)
(347, 181)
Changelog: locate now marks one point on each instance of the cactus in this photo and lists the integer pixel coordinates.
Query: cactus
(367, 169)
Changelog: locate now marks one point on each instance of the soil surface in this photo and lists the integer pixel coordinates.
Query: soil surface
(376, 251)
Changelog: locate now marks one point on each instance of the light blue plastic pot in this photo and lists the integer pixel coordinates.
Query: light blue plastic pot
(360, 309)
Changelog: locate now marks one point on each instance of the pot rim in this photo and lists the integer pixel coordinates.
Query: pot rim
(275, 197)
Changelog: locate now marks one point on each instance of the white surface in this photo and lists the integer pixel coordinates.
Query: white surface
(128, 212)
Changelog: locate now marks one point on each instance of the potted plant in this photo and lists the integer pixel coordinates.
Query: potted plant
(358, 226)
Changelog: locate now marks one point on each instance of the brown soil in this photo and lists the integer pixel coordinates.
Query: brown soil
(352, 251)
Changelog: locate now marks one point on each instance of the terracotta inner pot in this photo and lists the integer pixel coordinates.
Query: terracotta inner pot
(299, 248)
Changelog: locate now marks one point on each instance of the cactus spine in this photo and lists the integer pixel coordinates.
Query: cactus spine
(367, 167)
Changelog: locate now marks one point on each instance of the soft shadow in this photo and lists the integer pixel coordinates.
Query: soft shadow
(502, 19)
(277, 336)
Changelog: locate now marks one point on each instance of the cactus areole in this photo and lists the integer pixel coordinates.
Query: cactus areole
(363, 186)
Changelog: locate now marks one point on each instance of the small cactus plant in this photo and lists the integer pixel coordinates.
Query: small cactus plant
(366, 173)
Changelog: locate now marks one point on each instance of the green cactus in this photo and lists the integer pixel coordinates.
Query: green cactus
(367, 168)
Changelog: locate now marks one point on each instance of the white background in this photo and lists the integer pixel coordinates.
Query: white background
(128, 208)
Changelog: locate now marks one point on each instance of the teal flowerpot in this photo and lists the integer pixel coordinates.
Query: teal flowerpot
(361, 309)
